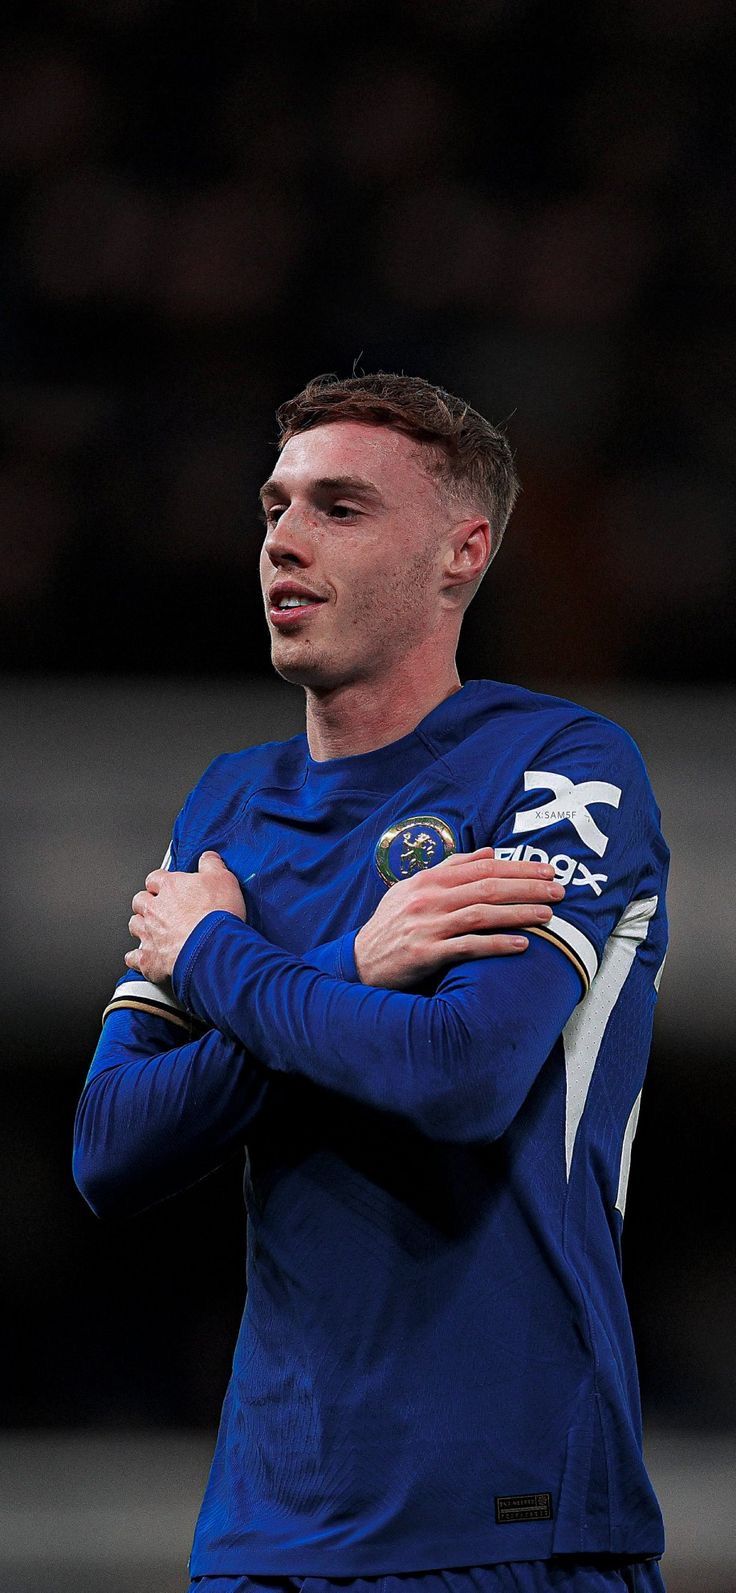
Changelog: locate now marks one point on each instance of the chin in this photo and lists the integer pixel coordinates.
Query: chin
(315, 673)
(299, 671)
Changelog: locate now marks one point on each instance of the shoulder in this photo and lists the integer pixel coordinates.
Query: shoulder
(545, 766)
(267, 762)
(229, 783)
(520, 726)
(568, 786)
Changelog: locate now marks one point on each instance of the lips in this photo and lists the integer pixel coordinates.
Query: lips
(302, 603)
(284, 589)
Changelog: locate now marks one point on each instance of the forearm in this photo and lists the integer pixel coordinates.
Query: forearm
(154, 1117)
(457, 1064)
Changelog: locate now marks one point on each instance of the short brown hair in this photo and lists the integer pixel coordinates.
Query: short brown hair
(470, 458)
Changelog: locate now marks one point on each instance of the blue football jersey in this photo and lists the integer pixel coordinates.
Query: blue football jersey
(435, 1365)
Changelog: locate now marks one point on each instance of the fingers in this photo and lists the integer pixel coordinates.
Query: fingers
(210, 863)
(466, 947)
(499, 890)
(136, 926)
(481, 917)
(155, 878)
(484, 864)
(463, 857)
(512, 870)
(132, 959)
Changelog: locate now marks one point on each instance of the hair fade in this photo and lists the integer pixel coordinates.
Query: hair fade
(469, 457)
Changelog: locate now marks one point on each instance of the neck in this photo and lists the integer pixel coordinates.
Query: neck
(362, 715)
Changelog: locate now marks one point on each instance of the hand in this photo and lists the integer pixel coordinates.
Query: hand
(171, 906)
(447, 914)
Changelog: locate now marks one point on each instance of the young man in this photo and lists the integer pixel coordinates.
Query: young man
(435, 1376)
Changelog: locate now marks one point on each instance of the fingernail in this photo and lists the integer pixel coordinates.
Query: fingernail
(519, 942)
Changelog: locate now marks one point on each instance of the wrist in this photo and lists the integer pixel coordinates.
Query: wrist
(187, 954)
(352, 958)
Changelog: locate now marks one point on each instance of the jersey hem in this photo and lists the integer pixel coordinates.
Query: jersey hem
(436, 1556)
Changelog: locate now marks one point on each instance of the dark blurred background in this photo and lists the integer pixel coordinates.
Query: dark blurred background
(529, 204)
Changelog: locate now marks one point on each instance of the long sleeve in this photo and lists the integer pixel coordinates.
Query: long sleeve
(460, 1063)
(457, 1064)
(156, 1115)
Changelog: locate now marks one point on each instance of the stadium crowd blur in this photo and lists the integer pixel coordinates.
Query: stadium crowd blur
(527, 206)
(206, 206)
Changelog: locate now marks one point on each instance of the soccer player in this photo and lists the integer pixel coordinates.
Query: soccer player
(434, 1380)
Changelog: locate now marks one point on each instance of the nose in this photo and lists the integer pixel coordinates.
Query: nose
(288, 542)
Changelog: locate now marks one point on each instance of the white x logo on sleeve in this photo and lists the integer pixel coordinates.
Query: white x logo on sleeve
(571, 804)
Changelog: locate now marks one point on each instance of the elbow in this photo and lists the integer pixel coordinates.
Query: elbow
(462, 1102)
(471, 1105)
(91, 1187)
(106, 1195)
(100, 1180)
(102, 1193)
(460, 1117)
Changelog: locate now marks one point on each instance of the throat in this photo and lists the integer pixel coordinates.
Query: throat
(358, 717)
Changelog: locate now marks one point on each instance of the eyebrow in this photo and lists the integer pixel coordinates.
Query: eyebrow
(358, 486)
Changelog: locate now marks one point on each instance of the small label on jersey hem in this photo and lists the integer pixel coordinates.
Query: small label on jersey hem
(523, 1507)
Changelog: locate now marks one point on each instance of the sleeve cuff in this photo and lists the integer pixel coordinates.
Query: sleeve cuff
(183, 968)
(346, 964)
(336, 959)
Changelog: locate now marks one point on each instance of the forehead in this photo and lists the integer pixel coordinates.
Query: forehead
(389, 459)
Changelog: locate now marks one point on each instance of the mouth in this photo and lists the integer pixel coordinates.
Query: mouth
(287, 607)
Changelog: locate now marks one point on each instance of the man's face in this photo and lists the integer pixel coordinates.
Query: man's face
(355, 530)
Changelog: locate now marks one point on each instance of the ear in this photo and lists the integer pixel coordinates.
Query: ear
(467, 552)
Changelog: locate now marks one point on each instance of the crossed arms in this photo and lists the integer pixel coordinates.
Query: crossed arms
(457, 1065)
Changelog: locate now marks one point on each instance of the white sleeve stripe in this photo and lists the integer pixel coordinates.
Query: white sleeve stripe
(577, 941)
(584, 1032)
(141, 990)
(625, 1163)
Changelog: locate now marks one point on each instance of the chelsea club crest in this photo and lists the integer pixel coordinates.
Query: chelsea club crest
(412, 844)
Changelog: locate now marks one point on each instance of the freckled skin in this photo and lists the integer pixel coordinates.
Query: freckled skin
(396, 569)
(376, 567)
(396, 574)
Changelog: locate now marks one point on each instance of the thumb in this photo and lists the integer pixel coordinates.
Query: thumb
(209, 862)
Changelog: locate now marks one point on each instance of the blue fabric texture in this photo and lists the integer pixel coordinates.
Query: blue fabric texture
(536, 1576)
(435, 1364)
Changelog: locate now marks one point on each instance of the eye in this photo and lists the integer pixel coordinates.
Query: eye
(342, 511)
(270, 513)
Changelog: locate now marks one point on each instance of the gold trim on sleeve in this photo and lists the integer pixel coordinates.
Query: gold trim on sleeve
(562, 946)
(181, 1019)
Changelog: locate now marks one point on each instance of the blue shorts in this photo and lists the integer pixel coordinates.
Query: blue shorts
(561, 1575)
